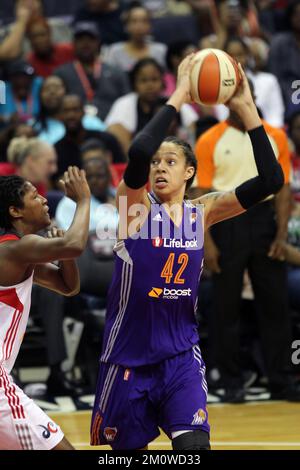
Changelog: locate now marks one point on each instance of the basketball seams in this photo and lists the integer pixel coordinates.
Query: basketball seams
(209, 79)
(214, 77)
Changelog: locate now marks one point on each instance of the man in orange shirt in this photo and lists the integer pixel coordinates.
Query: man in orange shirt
(253, 241)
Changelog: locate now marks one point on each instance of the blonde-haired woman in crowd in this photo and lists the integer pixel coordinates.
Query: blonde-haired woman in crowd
(34, 160)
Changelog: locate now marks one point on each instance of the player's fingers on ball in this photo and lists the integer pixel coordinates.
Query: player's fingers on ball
(243, 75)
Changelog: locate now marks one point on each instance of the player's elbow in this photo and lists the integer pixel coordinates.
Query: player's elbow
(74, 248)
(72, 292)
(277, 181)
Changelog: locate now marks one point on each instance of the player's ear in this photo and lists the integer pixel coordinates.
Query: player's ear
(189, 172)
(15, 212)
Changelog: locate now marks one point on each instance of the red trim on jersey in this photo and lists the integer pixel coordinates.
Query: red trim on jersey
(8, 335)
(10, 297)
(5, 238)
(12, 336)
(11, 395)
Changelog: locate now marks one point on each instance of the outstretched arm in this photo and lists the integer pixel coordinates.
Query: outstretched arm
(224, 205)
(147, 142)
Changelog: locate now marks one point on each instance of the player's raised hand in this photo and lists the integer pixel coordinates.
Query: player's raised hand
(243, 96)
(75, 185)
(183, 76)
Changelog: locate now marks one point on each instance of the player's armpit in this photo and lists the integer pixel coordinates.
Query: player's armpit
(33, 249)
(133, 206)
(219, 206)
(133, 196)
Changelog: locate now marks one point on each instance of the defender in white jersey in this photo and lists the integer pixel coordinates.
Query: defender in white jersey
(26, 258)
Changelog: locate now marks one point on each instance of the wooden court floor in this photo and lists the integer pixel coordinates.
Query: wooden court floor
(256, 426)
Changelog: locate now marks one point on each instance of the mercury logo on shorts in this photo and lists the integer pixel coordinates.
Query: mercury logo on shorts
(110, 434)
(199, 417)
(171, 294)
(173, 243)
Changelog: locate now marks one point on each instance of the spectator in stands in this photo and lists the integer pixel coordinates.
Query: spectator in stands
(271, 15)
(254, 241)
(266, 87)
(48, 124)
(22, 92)
(95, 82)
(60, 29)
(68, 148)
(231, 18)
(15, 128)
(96, 263)
(284, 57)
(107, 15)
(130, 113)
(139, 45)
(11, 46)
(46, 56)
(159, 8)
(176, 52)
(34, 160)
(206, 14)
(94, 148)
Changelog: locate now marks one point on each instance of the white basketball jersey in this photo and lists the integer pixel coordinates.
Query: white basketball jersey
(14, 311)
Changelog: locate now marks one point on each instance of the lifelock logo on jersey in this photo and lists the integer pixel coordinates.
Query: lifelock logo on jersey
(165, 293)
(173, 243)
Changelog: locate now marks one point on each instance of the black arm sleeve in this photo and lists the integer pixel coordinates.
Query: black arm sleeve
(145, 145)
(270, 176)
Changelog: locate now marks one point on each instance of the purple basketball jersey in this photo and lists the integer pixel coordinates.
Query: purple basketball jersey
(153, 295)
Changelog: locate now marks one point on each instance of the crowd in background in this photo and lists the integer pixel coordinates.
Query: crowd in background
(82, 78)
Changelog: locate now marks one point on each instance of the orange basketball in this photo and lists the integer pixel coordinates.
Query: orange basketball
(214, 77)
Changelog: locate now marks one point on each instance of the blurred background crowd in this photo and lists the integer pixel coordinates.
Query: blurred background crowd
(79, 79)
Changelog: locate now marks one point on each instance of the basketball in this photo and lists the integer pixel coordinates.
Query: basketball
(214, 77)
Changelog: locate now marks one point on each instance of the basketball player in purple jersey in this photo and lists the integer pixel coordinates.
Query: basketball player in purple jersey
(151, 371)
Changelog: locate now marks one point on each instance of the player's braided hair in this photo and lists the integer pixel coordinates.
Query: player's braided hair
(190, 158)
(11, 194)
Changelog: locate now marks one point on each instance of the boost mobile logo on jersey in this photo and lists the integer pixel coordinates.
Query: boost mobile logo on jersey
(155, 292)
(173, 243)
(172, 294)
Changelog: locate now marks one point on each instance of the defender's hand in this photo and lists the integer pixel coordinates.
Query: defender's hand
(75, 185)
